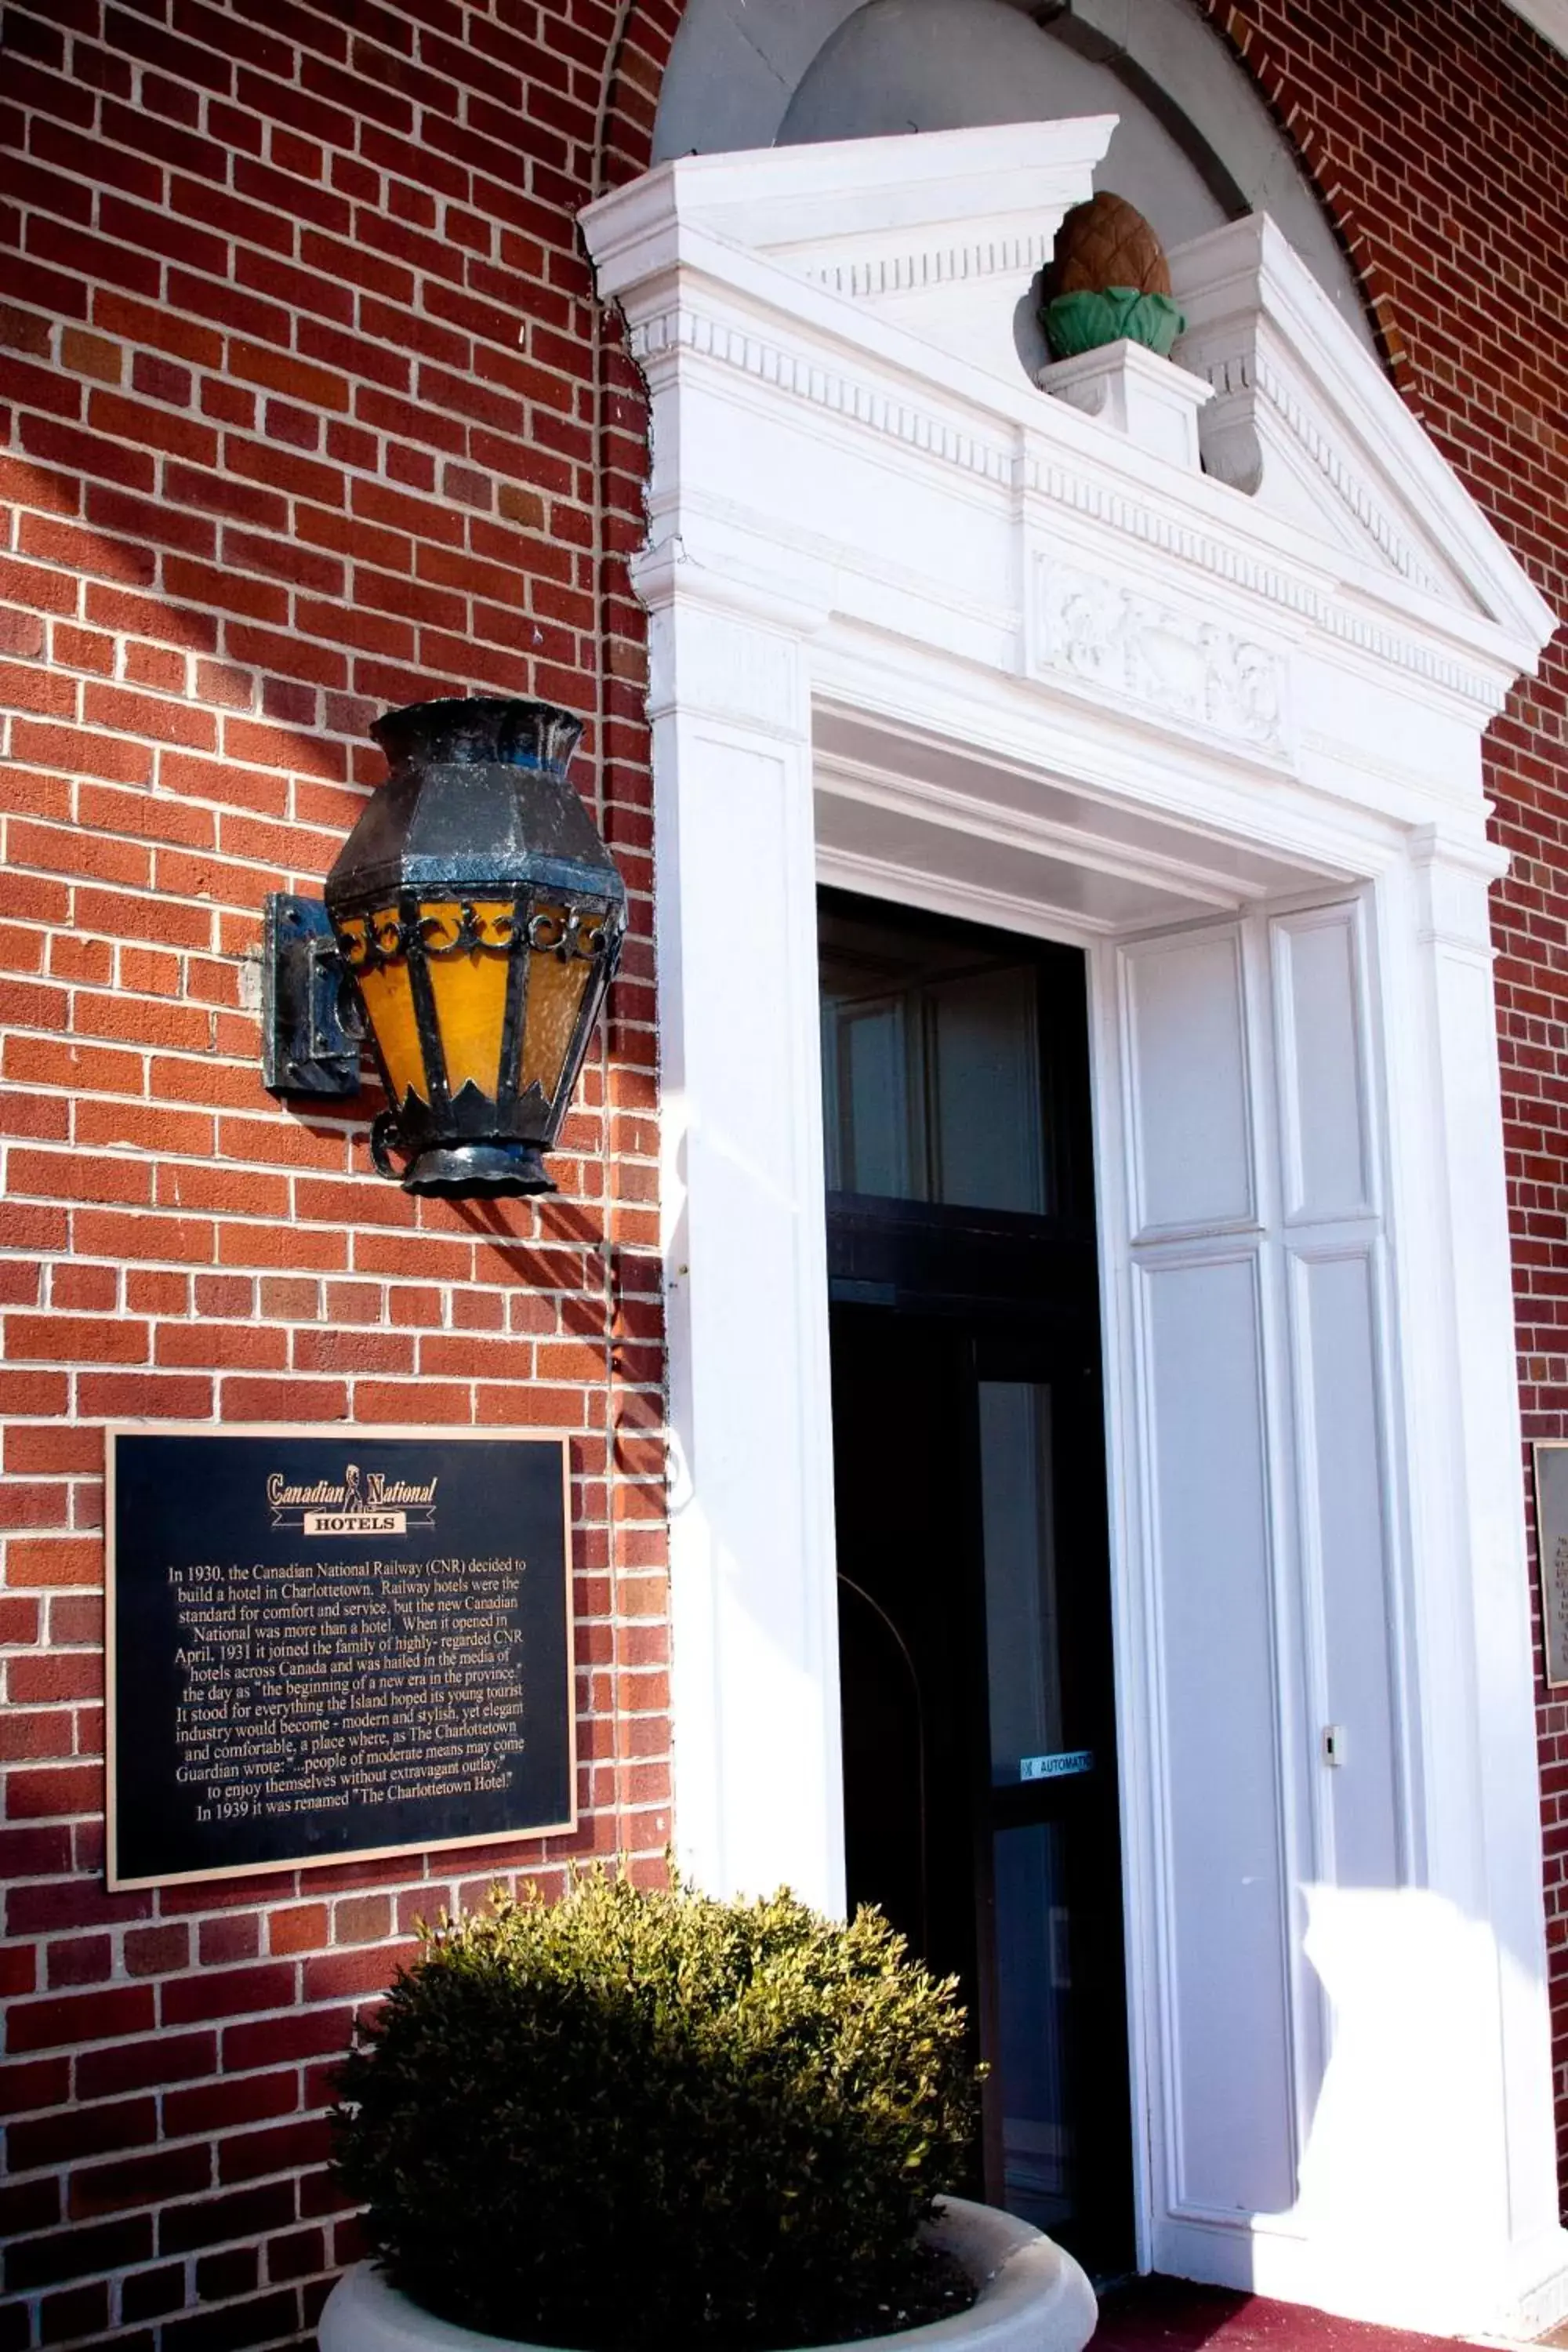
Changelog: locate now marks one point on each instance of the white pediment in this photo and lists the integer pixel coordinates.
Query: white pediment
(1305, 421)
(877, 285)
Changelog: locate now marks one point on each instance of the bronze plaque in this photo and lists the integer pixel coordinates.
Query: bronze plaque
(1551, 1552)
(323, 1647)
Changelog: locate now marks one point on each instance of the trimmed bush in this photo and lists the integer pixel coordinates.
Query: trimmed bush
(630, 2119)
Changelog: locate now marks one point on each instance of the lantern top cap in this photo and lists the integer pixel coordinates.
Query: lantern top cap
(479, 798)
(480, 730)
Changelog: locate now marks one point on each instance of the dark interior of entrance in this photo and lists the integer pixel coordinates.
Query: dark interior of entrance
(979, 1749)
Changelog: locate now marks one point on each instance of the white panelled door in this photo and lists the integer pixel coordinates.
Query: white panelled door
(1264, 1659)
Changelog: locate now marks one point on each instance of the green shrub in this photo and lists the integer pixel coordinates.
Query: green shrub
(628, 2118)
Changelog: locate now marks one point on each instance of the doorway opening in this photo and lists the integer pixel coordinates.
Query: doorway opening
(980, 1780)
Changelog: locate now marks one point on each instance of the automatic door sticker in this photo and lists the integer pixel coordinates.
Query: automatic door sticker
(1062, 1765)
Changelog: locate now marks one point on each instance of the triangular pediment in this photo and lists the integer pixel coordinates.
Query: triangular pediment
(1306, 422)
(894, 279)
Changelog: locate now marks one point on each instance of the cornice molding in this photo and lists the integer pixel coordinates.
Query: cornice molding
(832, 210)
(1252, 303)
(805, 375)
(858, 399)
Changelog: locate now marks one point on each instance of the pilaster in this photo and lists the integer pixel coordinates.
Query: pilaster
(1478, 1791)
(758, 1794)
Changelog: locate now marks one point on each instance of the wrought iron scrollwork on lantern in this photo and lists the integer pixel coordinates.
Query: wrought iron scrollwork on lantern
(477, 918)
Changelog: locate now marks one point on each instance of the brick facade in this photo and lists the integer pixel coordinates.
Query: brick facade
(310, 410)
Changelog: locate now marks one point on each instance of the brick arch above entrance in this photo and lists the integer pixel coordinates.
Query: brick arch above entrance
(636, 56)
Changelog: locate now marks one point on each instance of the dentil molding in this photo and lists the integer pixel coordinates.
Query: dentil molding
(1234, 451)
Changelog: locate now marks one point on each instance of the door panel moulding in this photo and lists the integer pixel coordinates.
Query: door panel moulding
(920, 629)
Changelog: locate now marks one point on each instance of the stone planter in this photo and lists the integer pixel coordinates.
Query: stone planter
(1033, 2298)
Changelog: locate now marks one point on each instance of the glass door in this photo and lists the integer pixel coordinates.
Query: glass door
(1048, 1839)
(979, 1749)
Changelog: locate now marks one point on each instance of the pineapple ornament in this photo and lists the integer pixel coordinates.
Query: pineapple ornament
(1109, 278)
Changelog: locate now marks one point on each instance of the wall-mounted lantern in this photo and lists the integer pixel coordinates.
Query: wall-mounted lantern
(471, 926)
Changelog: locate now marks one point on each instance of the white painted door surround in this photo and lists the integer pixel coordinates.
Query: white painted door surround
(922, 628)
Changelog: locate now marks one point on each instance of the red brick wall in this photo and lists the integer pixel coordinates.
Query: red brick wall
(308, 413)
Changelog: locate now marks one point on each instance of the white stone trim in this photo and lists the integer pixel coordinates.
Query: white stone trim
(917, 627)
(1244, 372)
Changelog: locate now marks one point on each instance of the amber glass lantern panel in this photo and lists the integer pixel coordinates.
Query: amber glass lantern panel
(560, 960)
(479, 916)
(372, 950)
(468, 953)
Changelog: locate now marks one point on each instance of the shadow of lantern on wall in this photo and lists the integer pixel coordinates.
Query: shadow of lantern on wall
(470, 927)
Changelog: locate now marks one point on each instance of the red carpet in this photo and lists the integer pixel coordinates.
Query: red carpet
(1163, 2314)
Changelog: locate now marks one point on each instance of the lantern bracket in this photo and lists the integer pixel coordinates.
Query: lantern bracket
(310, 1030)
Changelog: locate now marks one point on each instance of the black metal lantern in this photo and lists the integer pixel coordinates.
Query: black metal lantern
(473, 921)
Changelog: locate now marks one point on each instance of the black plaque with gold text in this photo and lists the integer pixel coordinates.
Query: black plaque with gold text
(323, 1647)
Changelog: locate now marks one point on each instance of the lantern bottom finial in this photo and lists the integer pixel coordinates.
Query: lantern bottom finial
(463, 1171)
(459, 1171)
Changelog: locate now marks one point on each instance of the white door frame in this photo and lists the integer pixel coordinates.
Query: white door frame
(917, 628)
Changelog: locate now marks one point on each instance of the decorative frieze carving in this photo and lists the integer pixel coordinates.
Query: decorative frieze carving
(1137, 648)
